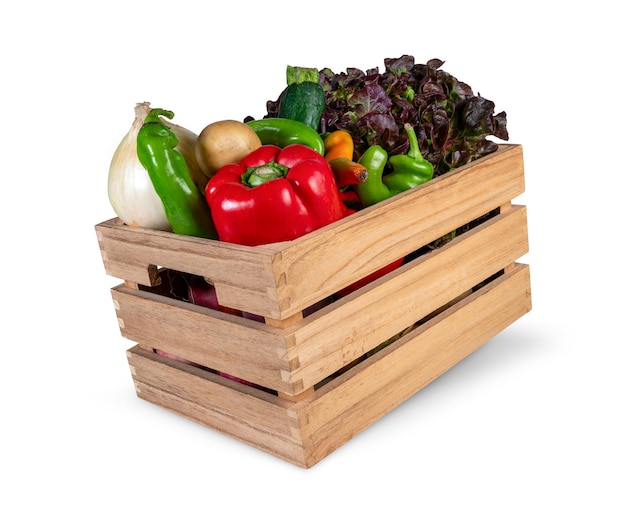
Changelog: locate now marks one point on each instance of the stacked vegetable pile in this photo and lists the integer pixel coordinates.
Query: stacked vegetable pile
(452, 123)
(329, 146)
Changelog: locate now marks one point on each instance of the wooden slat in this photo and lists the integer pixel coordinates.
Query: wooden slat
(129, 251)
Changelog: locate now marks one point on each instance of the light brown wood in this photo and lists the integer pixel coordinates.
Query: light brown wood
(409, 364)
(287, 322)
(388, 306)
(297, 357)
(299, 396)
(307, 431)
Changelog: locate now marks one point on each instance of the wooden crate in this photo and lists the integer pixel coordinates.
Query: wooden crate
(322, 377)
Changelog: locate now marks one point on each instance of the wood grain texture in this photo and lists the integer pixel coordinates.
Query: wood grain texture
(297, 357)
(307, 431)
(345, 407)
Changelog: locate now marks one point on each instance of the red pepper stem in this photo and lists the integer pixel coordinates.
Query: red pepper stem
(256, 176)
(414, 148)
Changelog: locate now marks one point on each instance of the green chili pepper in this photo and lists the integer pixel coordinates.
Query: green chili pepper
(285, 131)
(373, 190)
(409, 171)
(185, 206)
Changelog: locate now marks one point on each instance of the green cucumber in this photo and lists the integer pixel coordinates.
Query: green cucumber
(303, 99)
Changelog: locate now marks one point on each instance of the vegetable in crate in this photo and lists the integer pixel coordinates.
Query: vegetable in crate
(185, 206)
(408, 171)
(222, 142)
(338, 144)
(274, 194)
(285, 131)
(347, 172)
(450, 120)
(339, 150)
(131, 192)
(303, 99)
(202, 293)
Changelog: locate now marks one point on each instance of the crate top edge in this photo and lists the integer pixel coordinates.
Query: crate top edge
(116, 226)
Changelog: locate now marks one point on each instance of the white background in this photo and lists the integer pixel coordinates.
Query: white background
(536, 416)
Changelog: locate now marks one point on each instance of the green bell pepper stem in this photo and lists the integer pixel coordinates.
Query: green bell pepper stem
(185, 206)
(411, 169)
(373, 190)
(255, 176)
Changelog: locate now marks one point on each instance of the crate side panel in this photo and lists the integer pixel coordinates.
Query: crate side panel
(380, 234)
(351, 327)
(264, 422)
(243, 348)
(345, 407)
(127, 250)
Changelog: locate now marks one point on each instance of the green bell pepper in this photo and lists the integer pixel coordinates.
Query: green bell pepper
(185, 206)
(408, 171)
(284, 131)
(372, 190)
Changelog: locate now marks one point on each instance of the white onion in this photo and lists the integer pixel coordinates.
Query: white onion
(131, 192)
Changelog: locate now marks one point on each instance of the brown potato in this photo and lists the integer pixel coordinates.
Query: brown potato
(223, 142)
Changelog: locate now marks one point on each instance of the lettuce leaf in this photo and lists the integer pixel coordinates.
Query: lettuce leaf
(453, 125)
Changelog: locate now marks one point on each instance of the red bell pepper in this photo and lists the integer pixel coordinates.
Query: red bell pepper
(274, 195)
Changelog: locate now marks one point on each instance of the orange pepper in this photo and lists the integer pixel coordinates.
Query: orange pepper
(347, 172)
(338, 144)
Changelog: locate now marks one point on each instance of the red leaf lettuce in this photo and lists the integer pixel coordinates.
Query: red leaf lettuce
(452, 123)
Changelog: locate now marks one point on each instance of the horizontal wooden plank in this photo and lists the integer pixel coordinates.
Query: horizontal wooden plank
(129, 251)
